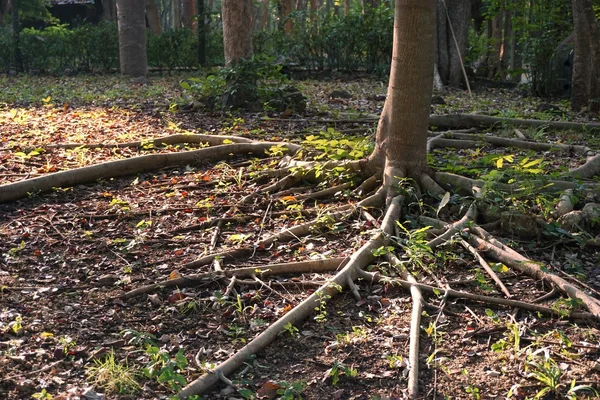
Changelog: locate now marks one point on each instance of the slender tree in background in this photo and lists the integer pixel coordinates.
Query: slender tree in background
(132, 37)
(176, 14)
(188, 14)
(453, 22)
(285, 9)
(153, 17)
(201, 32)
(586, 62)
(16, 30)
(109, 10)
(237, 30)
(237, 42)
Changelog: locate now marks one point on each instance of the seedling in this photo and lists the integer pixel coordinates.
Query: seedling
(114, 377)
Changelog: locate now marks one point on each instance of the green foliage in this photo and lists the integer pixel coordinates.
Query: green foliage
(335, 145)
(334, 41)
(254, 83)
(166, 369)
(173, 49)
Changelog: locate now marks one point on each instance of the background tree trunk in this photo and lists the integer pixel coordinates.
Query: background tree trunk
(4, 11)
(264, 15)
(188, 12)
(176, 14)
(402, 131)
(449, 56)
(287, 7)
(346, 7)
(314, 8)
(237, 30)
(109, 10)
(586, 62)
(153, 18)
(201, 32)
(132, 37)
(16, 62)
(494, 56)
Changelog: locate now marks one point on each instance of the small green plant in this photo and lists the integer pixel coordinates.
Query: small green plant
(339, 369)
(470, 388)
(321, 308)
(335, 145)
(166, 370)
(114, 377)
(291, 329)
(291, 391)
(416, 251)
(43, 395)
(395, 361)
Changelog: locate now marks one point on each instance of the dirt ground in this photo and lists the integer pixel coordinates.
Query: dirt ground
(66, 256)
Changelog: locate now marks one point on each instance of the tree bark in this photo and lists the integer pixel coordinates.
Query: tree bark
(286, 8)
(5, 6)
(314, 7)
(453, 21)
(188, 12)
(237, 30)
(132, 37)
(109, 10)
(264, 15)
(16, 62)
(176, 14)
(346, 7)
(153, 18)
(401, 140)
(201, 32)
(494, 56)
(586, 63)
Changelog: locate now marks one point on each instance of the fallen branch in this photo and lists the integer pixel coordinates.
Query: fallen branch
(117, 168)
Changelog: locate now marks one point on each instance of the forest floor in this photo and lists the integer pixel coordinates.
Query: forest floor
(67, 256)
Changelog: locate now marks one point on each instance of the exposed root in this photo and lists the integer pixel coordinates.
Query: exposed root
(587, 170)
(565, 204)
(376, 277)
(212, 140)
(117, 168)
(451, 137)
(486, 267)
(311, 266)
(533, 269)
(358, 260)
(455, 227)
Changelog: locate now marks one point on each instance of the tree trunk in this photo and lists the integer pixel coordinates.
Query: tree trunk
(452, 31)
(586, 63)
(176, 14)
(16, 62)
(109, 10)
(237, 30)
(132, 37)
(460, 18)
(442, 44)
(264, 15)
(314, 7)
(4, 11)
(201, 32)
(153, 18)
(188, 12)
(287, 6)
(494, 57)
(401, 140)
(346, 7)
